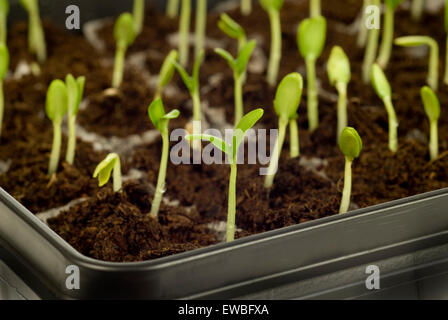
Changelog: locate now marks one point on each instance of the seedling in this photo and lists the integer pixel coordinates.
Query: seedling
(384, 91)
(231, 150)
(232, 29)
(4, 64)
(413, 41)
(184, 32)
(286, 103)
(371, 48)
(311, 41)
(273, 7)
(417, 9)
(172, 8)
(238, 66)
(36, 38)
(339, 73)
(75, 91)
(363, 31)
(160, 120)
(388, 33)
(4, 11)
(166, 73)
(315, 9)
(105, 168)
(350, 144)
(446, 30)
(432, 109)
(201, 25)
(124, 36)
(56, 107)
(246, 7)
(139, 15)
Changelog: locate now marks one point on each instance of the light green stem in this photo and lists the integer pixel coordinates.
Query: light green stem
(36, 35)
(197, 114)
(201, 25)
(363, 31)
(139, 15)
(172, 8)
(231, 210)
(56, 148)
(160, 189)
(2, 106)
(117, 176)
(446, 63)
(342, 108)
(417, 9)
(246, 7)
(433, 74)
(313, 103)
(393, 125)
(239, 104)
(3, 28)
(71, 145)
(315, 9)
(388, 37)
(119, 66)
(276, 47)
(370, 53)
(275, 154)
(294, 145)
(184, 32)
(345, 202)
(433, 140)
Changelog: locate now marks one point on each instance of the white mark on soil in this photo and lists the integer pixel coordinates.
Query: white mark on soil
(5, 165)
(91, 30)
(53, 213)
(22, 69)
(210, 43)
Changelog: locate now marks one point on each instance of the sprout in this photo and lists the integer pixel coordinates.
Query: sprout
(75, 91)
(166, 72)
(432, 109)
(372, 46)
(238, 66)
(383, 90)
(4, 64)
(201, 25)
(246, 7)
(232, 29)
(417, 9)
(160, 120)
(339, 73)
(246, 123)
(4, 11)
(311, 41)
(124, 36)
(184, 32)
(139, 15)
(172, 8)
(388, 33)
(363, 31)
(412, 41)
(104, 169)
(350, 144)
(273, 7)
(36, 38)
(315, 9)
(56, 107)
(286, 103)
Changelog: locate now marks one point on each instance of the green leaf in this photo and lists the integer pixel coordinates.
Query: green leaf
(156, 112)
(105, 167)
(380, 82)
(288, 96)
(4, 7)
(4, 60)
(338, 66)
(414, 41)
(172, 115)
(167, 71)
(57, 101)
(228, 57)
(196, 67)
(393, 3)
(350, 143)
(271, 4)
(311, 37)
(230, 27)
(431, 103)
(244, 56)
(188, 81)
(217, 142)
(124, 31)
(72, 92)
(246, 123)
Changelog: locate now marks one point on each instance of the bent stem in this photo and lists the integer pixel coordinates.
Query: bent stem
(417, 9)
(294, 146)
(393, 125)
(119, 66)
(239, 104)
(342, 107)
(388, 35)
(172, 8)
(184, 30)
(313, 104)
(275, 157)
(56, 149)
(71, 144)
(433, 74)
(246, 7)
(433, 140)
(276, 47)
(346, 193)
(315, 9)
(160, 189)
(201, 23)
(231, 211)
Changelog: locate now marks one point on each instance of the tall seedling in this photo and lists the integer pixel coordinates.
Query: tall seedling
(36, 38)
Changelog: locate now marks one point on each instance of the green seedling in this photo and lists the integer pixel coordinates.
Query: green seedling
(315, 8)
(350, 144)
(363, 31)
(4, 64)
(139, 15)
(36, 38)
(231, 150)
(160, 120)
(417, 9)
(446, 31)
(166, 73)
(413, 41)
(286, 103)
(56, 107)
(201, 25)
(172, 8)
(246, 7)
(388, 33)
(124, 34)
(432, 109)
(371, 48)
(104, 169)
(384, 91)
(4, 11)
(232, 29)
(239, 67)
(273, 7)
(339, 73)
(75, 91)
(311, 39)
(184, 32)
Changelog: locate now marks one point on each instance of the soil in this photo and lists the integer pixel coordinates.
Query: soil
(117, 227)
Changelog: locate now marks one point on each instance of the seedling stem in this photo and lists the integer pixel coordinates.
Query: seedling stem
(201, 24)
(417, 9)
(315, 8)
(294, 145)
(172, 8)
(4, 11)
(184, 32)
(388, 33)
(371, 49)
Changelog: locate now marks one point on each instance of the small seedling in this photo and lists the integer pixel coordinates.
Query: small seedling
(238, 66)
(75, 91)
(286, 103)
(388, 33)
(172, 8)
(315, 8)
(232, 29)
(311, 41)
(446, 31)
(350, 144)
(139, 15)
(432, 109)
(371, 48)
(124, 36)
(339, 73)
(56, 107)
(273, 7)
(4, 64)
(4, 11)
(417, 9)
(384, 91)
(201, 25)
(363, 31)
(104, 170)
(413, 41)
(36, 38)
(184, 32)
(160, 120)
(231, 150)
(166, 73)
